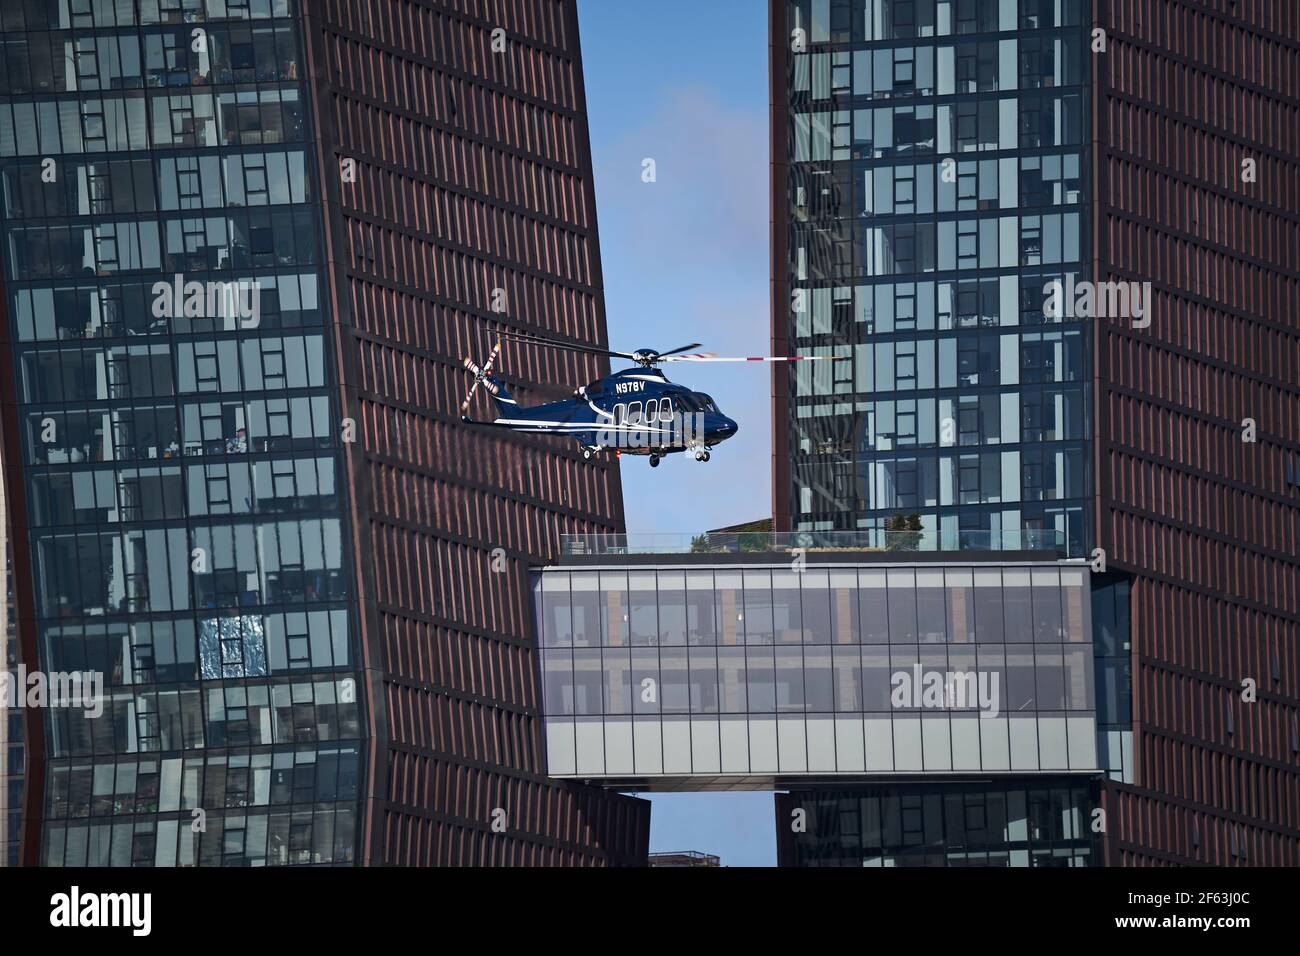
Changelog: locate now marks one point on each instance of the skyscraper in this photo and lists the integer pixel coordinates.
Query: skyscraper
(927, 183)
(246, 246)
(472, 199)
(946, 174)
(1196, 163)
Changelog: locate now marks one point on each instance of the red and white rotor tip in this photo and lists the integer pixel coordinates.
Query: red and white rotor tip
(481, 375)
(711, 357)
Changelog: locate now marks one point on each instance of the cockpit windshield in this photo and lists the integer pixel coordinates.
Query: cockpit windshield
(696, 402)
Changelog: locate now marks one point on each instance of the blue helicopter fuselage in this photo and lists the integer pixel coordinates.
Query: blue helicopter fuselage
(635, 410)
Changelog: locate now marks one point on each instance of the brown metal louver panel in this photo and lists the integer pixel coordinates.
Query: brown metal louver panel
(472, 188)
(1205, 522)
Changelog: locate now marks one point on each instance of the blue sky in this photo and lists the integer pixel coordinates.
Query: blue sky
(686, 257)
(686, 260)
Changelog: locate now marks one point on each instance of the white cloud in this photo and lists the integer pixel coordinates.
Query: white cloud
(708, 206)
(686, 260)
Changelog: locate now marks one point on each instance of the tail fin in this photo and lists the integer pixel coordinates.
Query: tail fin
(490, 383)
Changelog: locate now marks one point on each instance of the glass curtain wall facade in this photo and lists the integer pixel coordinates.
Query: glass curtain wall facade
(1044, 823)
(718, 674)
(180, 450)
(929, 181)
(12, 752)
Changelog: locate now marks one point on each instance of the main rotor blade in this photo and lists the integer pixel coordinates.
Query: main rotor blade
(571, 346)
(680, 348)
(709, 357)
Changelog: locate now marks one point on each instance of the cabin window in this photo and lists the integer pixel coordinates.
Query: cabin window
(651, 410)
(665, 409)
(620, 414)
(634, 413)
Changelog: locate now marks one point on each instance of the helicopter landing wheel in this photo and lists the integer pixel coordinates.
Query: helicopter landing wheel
(586, 454)
(701, 455)
(706, 457)
(654, 461)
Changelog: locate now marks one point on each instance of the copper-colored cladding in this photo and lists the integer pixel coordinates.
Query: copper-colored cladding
(1206, 523)
(472, 173)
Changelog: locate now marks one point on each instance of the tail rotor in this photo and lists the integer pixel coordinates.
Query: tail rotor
(481, 375)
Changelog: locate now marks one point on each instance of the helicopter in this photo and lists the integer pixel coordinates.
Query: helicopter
(634, 411)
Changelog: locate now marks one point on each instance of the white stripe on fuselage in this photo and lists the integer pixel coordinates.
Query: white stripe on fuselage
(529, 424)
(586, 426)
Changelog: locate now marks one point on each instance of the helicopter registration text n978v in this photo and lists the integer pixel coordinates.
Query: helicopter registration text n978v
(632, 411)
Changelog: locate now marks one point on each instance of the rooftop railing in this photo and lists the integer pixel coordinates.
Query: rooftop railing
(783, 542)
(684, 858)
